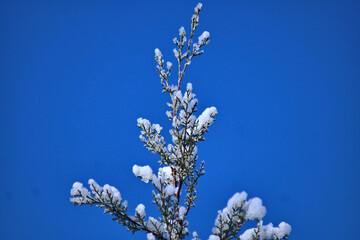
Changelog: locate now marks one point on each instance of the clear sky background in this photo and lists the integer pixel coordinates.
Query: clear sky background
(283, 74)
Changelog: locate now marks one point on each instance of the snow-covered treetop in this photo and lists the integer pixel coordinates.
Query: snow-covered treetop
(179, 169)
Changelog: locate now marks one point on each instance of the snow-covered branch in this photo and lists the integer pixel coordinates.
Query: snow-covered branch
(109, 198)
(179, 170)
(232, 218)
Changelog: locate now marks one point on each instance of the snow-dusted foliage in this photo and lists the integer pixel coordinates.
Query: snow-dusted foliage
(231, 219)
(180, 170)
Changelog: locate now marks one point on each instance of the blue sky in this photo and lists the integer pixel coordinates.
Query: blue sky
(283, 74)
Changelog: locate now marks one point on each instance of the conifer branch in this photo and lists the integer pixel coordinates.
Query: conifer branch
(180, 170)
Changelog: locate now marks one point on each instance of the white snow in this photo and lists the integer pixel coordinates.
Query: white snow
(198, 7)
(77, 186)
(188, 101)
(140, 209)
(182, 31)
(168, 65)
(195, 151)
(214, 237)
(156, 127)
(144, 122)
(150, 236)
(206, 116)
(165, 174)
(270, 232)
(114, 193)
(156, 182)
(145, 172)
(169, 190)
(205, 35)
(283, 230)
(94, 186)
(153, 224)
(78, 189)
(237, 200)
(182, 211)
(191, 105)
(170, 148)
(178, 95)
(158, 53)
(248, 234)
(176, 53)
(255, 209)
(189, 86)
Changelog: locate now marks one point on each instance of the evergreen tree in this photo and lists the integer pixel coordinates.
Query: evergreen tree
(179, 171)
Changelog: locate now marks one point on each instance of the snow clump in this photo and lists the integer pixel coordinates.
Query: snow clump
(110, 191)
(158, 54)
(214, 237)
(145, 173)
(255, 209)
(150, 236)
(248, 234)
(203, 37)
(78, 189)
(140, 210)
(198, 7)
(206, 117)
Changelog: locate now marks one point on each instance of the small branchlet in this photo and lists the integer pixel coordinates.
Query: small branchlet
(238, 211)
(153, 141)
(109, 198)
